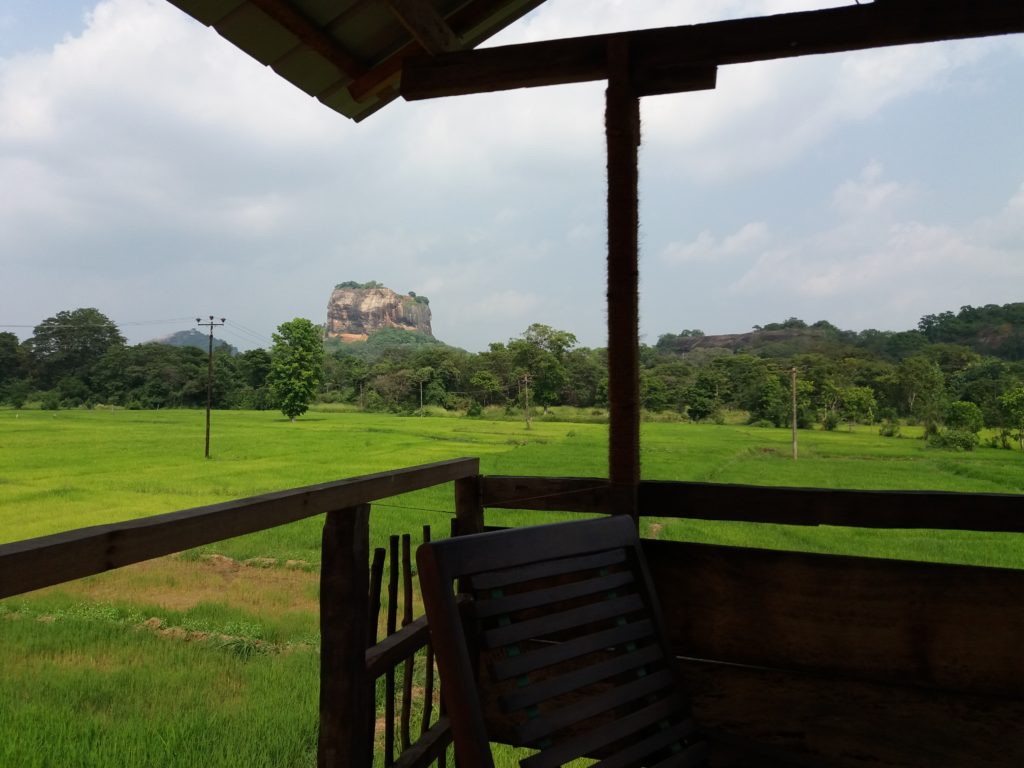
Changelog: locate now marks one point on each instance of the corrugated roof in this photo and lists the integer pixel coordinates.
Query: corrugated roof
(348, 53)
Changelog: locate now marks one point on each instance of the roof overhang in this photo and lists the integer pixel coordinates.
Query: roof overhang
(349, 53)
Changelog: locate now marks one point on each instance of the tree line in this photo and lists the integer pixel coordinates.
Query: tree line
(954, 374)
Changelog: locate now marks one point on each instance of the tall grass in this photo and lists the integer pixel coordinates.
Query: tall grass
(203, 659)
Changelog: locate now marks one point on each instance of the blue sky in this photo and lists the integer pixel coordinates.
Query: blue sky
(155, 172)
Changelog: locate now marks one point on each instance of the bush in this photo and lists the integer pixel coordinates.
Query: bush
(964, 415)
(51, 401)
(474, 409)
(829, 421)
(762, 424)
(889, 428)
(954, 440)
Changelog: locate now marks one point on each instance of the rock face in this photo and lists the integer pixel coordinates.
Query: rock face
(357, 310)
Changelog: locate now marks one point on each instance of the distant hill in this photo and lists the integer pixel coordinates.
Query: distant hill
(194, 338)
(993, 330)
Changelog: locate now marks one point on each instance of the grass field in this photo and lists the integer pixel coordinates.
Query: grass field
(202, 658)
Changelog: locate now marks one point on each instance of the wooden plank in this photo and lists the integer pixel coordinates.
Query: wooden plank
(653, 51)
(392, 650)
(958, 628)
(407, 669)
(343, 610)
(306, 31)
(469, 513)
(425, 24)
(41, 562)
(761, 717)
(430, 746)
(389, 673)
(428, 683)
(622, 134)
(821, 506)
(566, 494)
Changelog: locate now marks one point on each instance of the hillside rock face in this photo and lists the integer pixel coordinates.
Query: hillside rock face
(355, 313)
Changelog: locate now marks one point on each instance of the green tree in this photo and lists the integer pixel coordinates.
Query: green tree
(964, 415)
(71, 343)
(296, 366)
(1012, 403)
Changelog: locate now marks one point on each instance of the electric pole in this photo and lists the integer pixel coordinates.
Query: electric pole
(526, 398)
(792, 372)
(209, 375)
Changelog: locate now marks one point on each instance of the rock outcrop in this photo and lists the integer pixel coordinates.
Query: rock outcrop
(357, 310)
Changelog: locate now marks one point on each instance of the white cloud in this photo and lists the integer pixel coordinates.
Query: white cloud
(151, 168)
(872, 267)
(707, 247)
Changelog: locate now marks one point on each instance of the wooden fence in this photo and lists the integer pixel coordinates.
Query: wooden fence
(814, 653)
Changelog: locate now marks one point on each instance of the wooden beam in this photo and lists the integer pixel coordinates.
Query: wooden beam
(311, 35)
(951, 627)
(41, 562)
(704, 46)
(751, 714)
(426, 25)
(565, 494)
(994, 512)
(344, 598)
(622, 131)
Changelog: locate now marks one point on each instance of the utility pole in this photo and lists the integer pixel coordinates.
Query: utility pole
(792, 374)
(526, 398)
(209, 374)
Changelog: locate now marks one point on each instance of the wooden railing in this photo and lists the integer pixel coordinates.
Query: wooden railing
(842, 660)
(344, 580)
(775, 644)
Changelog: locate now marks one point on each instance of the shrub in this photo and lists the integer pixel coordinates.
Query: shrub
(474, 409)
(964, 415)
(829, 421)
(889, 428)
(954, 440)
(762, 424)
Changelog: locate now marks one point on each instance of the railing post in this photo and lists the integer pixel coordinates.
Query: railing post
(469, 513)
(344, 589)
(622, 130)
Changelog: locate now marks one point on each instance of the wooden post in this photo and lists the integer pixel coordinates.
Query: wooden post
(622, 131)
(469, 515)
(344, 603)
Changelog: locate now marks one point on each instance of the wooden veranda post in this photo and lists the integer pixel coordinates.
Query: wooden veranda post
(344, 601)
(622, 130)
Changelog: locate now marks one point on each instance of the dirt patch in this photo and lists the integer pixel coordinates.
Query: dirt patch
(177, 584)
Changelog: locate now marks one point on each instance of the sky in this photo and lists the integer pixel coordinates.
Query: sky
(150, 169)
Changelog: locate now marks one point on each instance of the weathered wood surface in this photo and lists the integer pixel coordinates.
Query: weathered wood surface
(431, 746)
(821, 506)
(655, 52)
(622, 137)
(757, 716)
(41, 562)
(344, 606)
(567, 494)
(957, 628)
(1000, 513)
(469, 512)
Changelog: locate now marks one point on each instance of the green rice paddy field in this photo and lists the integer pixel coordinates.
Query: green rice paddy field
(209, 657)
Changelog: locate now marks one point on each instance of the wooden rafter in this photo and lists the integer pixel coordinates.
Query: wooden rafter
(311, 35)
(465, 24)
(658, 53)
(426, 25)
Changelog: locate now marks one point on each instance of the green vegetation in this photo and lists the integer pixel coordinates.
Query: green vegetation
(296, 366)
(209, 657)
(842, 377)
